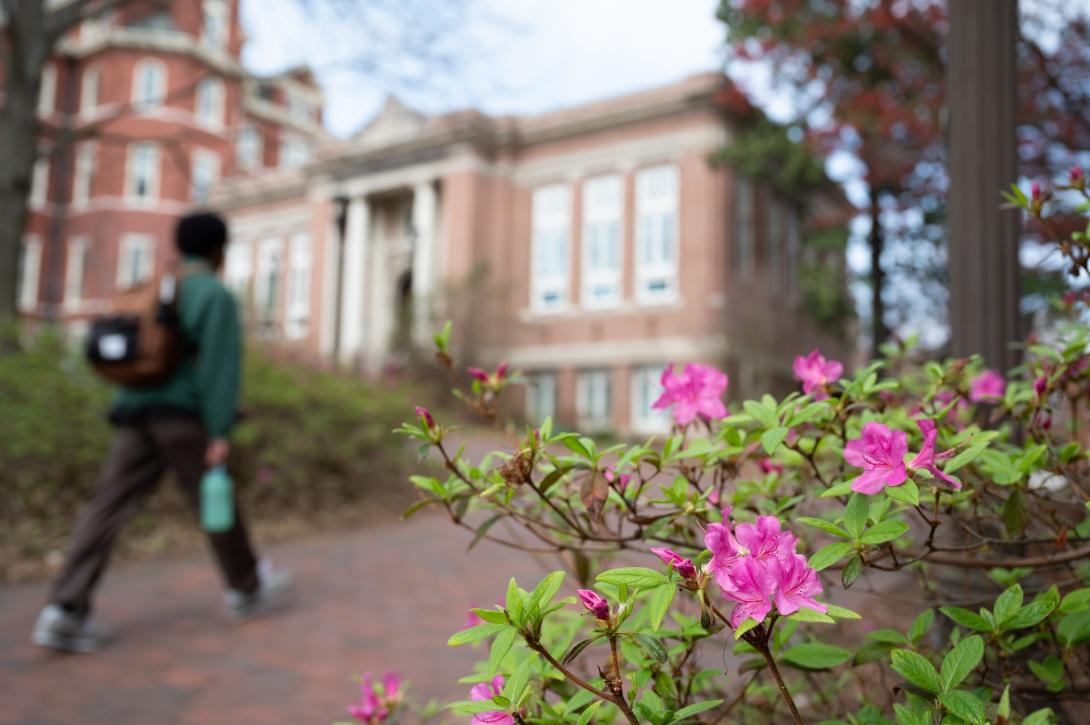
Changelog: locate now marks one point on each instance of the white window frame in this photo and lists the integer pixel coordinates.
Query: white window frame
(270, 262)
(239, 268)
(540, 397)
(645, 389)
(135, 260)
(47, 92)
(294, 152)
(84, 173)
(131, 171)
(300, 267)
(39, 183)
(603, 212)
(219, 11)
(550, 214)
(211, 103)
(150, 72)
(664, 270)
(30, 272)
(594, 399)
(744, 226)
(250, 147)
(90, 85)
(75, 266)
(205, 163)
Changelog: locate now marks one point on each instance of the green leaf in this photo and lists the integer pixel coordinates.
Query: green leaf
(966, 457)
(815, 656)
(921, 625)
(500, 647)
(842, 612)
(967, 619)
(960, 661)
(1074, 628)
(634, 576)
(850, 572)
(762, 414)
(840, 489)
(1015, 513)
(1008, 603)
(907, 493)
(744, 627)
(827, 526)
(1004, 707)
(855, 514)
(482, 530)
(1044, 716)
(916, 669)
(889, 636)
(475, 634)
(577, 649)
(472, 707)
(1031, 614)
(964, 705)
(772, 438)
(905, 716)
(516, 684)
(546, 589)
(653, 647)
(695, 709)
(885, 531)
(575, 444)
(661, 597)
(828, 555)
(805, 614)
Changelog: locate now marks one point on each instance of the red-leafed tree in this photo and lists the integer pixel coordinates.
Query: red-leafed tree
(867, 77)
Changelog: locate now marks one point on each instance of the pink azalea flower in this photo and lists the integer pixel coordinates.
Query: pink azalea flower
(1040, 385)
(695, 392)
(880, 453)
(595, 604)
(478, 374)
(769, 465)
(750, 585)
(619, 480)
(989, 385)
(943, 398)
(486, 691)
(927, 457)
(501, 370)
(681, 565)
(472, 619)
(425, 415)
(713, 497)
(764, 541)
(796, 585)
(375, 704)
(815, 373)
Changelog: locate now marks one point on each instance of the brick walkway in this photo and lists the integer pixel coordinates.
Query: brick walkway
(385, 598)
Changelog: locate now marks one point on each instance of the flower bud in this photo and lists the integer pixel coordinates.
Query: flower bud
(682, 566)
(1077, 176)
(425, 416)
(595, 604)
(478, 374)
(501, 370)
(1035, 190)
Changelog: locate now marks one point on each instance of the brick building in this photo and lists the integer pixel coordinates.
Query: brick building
(143, 111)
(589, 247)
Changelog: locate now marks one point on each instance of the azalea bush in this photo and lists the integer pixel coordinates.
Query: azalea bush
(708, 573)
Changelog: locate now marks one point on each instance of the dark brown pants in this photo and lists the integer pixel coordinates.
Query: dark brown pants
(141, 453)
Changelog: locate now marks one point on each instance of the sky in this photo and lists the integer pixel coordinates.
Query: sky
(535, 55)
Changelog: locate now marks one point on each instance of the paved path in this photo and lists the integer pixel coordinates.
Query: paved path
(384, 598)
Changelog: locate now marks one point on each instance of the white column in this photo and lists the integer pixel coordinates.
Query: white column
(331, 262)
(424, 260)
(353, 300)
(380, 303)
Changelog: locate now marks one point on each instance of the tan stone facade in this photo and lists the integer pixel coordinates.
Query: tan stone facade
(588, 247)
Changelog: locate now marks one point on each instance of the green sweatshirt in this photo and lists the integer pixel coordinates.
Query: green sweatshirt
(208, 380)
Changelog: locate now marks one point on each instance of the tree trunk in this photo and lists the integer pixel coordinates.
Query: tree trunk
(982, 97)
(27, 52)
(877, 241)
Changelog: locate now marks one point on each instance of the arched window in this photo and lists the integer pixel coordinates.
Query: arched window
(250, 148)
(216, 23)
(88, 93)
(210, 102)
(149, 85)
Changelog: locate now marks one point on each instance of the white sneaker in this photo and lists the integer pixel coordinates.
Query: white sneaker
(273, 585)
(66, 632)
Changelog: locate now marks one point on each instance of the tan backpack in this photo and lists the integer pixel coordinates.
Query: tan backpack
(139, 342)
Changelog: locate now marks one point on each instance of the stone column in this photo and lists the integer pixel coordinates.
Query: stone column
(982, 96)
(424, 261)
(380, 304)
(353, 300)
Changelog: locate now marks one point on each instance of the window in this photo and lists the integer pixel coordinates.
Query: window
(656, 234)
(774, 242)
(47, 94)
(206, 172)
(88, 92)
(294, 152)
(85, 172)
(298, 106)
(210, 102)
(239, 267)
(76, 262)
(250, 148)
(602, 212)
(744, 232)
(136, 260)
(646, 388)
(550, 264)
(540, 397)
(593, 399)
(149, 85)
(39, 183)
(216, 24)
(299, 267)
(143, 173)
(267, 284)
(30, 273)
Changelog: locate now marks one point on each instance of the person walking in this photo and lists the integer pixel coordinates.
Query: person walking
(181, 425)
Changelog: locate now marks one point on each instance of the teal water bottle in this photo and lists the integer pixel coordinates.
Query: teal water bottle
(217, 500)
